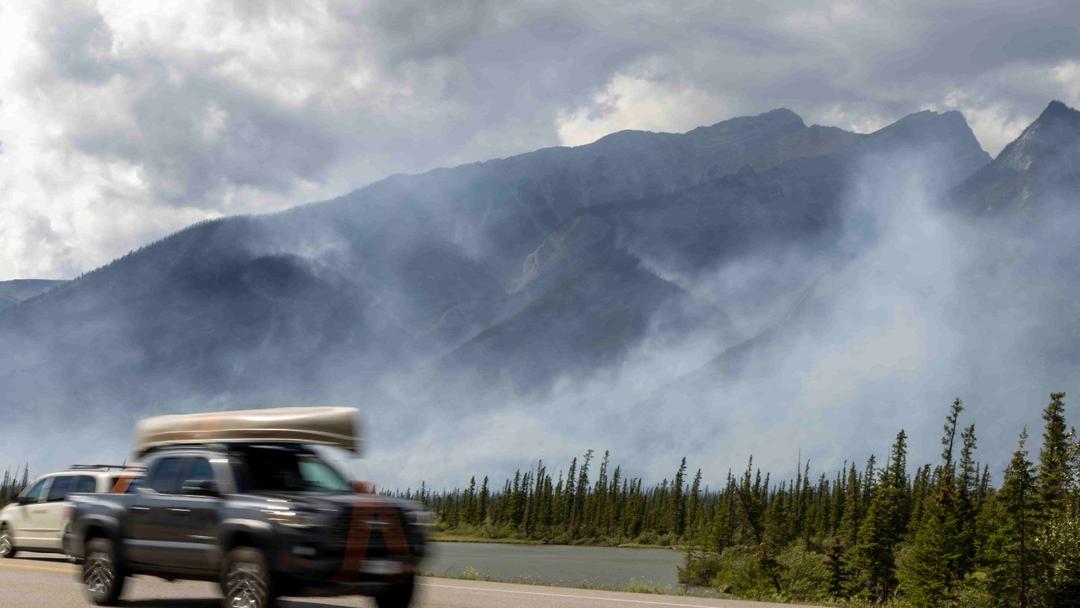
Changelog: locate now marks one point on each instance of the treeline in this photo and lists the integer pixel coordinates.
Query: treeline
(935, 535)
(13, 483)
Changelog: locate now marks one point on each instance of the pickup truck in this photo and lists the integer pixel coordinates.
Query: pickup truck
(262, 518)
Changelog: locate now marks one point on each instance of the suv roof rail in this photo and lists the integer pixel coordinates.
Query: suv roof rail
(89, 467)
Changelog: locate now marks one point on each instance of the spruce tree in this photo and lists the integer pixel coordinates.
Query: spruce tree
(924, 563)
(678, 501)
(852, 518)
(1012, 573)
(883, 526)
(928, 567)
(1053, 458)
(838, 573)
(481, 511)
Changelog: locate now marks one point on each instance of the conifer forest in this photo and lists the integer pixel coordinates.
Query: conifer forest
(954, 532)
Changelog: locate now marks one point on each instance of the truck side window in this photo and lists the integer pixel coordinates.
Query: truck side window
(164, 477)
(198, 470)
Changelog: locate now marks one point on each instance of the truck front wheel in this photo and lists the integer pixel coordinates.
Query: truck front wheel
(245, 579)
(103, 580)
(397, 596)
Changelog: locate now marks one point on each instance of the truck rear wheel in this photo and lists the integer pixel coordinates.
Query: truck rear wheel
(397, 596)
(103, 580)
(245, 579)
(7, 543)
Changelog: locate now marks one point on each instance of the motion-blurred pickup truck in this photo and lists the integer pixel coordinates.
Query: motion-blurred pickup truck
(245, 499)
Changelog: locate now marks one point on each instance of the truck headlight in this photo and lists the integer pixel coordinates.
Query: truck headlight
(296, 519)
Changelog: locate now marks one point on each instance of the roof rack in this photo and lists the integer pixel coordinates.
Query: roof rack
(89, 467)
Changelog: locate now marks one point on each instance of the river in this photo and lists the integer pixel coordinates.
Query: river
(555, 564)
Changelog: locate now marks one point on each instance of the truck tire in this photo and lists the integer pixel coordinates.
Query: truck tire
(7, 543)
(101, 575)
(399, 595)
(245, 579)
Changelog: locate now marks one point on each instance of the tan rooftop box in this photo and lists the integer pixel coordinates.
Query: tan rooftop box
(333, 426)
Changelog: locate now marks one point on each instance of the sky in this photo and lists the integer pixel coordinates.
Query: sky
(122, 122)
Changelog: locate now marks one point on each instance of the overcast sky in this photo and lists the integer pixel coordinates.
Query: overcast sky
(121, 122)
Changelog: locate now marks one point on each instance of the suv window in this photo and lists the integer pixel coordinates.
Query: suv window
(63, 485)
(164, 477)
(60, 487)
(34, 494)
(84, 484)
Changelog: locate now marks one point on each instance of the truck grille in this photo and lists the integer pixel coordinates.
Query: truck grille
(371, 536)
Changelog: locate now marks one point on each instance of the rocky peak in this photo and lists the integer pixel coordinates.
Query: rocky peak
(1052, 134)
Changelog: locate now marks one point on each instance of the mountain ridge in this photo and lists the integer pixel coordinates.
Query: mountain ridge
(511, 279)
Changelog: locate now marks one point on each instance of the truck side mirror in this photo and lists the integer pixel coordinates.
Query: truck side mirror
(200, 487)
(363, 487)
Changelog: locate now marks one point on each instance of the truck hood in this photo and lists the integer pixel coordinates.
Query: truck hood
(325, 502)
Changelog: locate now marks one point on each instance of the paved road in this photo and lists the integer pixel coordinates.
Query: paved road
(39, 581)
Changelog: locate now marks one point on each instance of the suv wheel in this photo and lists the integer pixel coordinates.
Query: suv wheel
(399, 595)
(245, 579)
(7, 543)
(103, 580)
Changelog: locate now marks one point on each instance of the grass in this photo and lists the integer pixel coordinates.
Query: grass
(450, 537)
(464, 537)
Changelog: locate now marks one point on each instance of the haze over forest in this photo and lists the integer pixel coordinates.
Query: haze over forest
(758, 286)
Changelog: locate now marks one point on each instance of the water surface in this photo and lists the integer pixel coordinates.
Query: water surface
(555, 564)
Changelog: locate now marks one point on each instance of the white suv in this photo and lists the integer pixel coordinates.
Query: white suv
(37, 520)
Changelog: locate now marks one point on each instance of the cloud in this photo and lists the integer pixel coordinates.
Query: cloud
(643, 102)
(124, 121)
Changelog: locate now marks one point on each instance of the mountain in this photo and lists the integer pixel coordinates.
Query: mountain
(465, 288)
(13, 292)
(1004, 290)
(1041, 165)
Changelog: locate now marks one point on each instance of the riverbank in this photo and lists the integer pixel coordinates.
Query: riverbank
(647, 589)
(643, 570)
(453, 537)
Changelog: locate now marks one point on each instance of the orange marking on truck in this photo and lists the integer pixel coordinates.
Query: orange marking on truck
(360, 536)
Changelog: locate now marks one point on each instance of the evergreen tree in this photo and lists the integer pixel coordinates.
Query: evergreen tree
(694, 506)
(884, 526)
(678, 501)
(482, 505)
(1012, 574)
(929, 566)
(1054, 458)
(838, 574)
(852, 518)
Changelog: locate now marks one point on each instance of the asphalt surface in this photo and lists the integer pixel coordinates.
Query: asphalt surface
(42, 581)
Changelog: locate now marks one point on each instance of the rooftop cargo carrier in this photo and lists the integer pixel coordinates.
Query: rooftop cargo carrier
(333, 426)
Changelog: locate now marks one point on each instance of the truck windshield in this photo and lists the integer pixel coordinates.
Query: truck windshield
(284, 469)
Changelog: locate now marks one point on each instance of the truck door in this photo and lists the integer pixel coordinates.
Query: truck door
(149, 534)
(193, 517)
